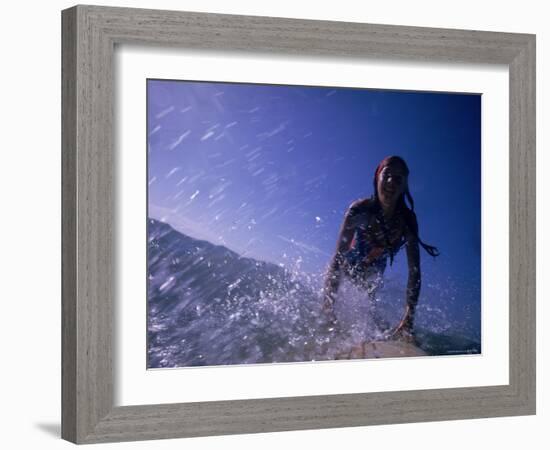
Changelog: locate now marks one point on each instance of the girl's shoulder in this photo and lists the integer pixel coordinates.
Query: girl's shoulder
(410, 220)
(362, 206)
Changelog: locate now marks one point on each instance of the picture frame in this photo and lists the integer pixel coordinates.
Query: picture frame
(89, 37)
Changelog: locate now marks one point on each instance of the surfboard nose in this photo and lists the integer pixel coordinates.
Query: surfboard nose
(381, 349)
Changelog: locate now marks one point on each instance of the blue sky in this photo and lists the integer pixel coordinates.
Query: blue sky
(269, 170)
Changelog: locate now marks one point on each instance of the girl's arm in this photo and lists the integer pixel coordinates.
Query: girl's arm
(414, 280)
(345, 237)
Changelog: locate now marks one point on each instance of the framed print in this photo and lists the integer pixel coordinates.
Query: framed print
(281, 203)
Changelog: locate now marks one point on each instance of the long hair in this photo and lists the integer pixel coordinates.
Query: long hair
(401, 204)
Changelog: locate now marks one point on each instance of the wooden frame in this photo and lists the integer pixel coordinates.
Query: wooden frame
(89, 37)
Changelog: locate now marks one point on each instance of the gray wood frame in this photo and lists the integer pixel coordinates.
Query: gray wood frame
(89, 36)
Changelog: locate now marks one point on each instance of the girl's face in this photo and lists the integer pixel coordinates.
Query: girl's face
(392, 182)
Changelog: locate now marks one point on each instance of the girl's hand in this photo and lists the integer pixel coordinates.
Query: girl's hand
(328, 304)
(403, 331)
(328, 308)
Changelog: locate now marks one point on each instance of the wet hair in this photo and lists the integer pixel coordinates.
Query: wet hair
(401, 204)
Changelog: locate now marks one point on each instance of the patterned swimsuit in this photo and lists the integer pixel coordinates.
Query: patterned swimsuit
(374, 240)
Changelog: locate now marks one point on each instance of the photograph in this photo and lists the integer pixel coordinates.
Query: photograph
(307, 224)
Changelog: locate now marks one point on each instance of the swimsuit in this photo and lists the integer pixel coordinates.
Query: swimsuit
(374, 240)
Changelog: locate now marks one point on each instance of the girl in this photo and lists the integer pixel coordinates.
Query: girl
(373, 230)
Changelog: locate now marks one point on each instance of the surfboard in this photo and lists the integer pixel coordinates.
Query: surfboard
(381, 349)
